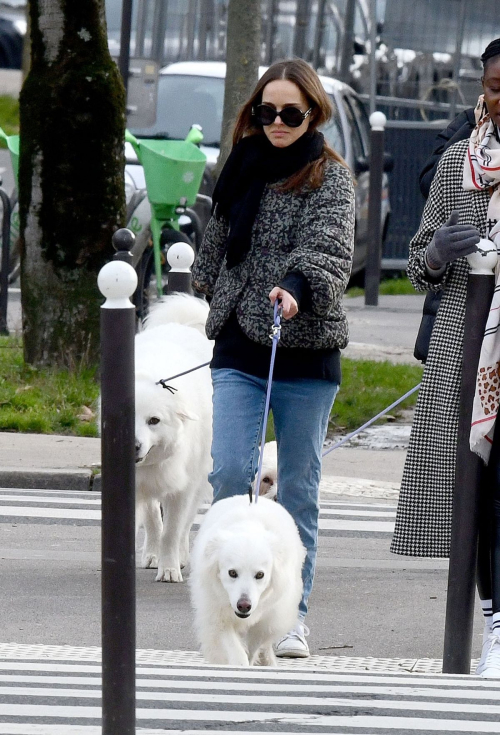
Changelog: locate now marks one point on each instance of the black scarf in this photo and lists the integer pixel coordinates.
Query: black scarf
(253, 163)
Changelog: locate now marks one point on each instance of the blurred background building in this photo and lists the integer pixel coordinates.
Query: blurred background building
(419, 44)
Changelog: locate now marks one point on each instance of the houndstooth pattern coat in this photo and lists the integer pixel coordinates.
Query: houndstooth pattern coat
(423, 520)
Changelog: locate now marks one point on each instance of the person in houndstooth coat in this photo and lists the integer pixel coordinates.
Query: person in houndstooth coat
(423, 521)
(463, 205)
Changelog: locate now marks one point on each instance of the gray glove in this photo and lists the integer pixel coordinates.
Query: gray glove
(451, 241)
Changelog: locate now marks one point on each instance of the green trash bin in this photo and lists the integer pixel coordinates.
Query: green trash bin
(13, 146)
(173, 170)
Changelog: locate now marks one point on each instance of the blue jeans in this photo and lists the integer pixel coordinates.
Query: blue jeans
(301, 409)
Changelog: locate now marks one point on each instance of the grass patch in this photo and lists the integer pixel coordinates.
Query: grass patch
(44, 401)
(9, 116)
(388, 287)
(367, 388)
(63, 402)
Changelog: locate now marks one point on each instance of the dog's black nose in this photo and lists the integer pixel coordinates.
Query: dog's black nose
(137, 447)
(244, 605)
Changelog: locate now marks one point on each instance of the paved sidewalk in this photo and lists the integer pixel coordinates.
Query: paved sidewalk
(385, 332)
(54, 462)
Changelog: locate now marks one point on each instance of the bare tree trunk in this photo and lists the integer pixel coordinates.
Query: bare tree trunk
(71, 191)
(242, 59)
(302, 18)
(347, 41)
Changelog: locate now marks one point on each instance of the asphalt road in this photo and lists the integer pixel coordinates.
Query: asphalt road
(365, 602)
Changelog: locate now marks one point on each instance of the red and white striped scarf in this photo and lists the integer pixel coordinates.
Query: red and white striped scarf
(482, 171)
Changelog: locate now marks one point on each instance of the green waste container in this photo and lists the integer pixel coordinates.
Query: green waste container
(13, 146)
(173, 170)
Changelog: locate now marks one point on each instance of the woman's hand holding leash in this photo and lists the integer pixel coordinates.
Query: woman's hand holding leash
(288, 303)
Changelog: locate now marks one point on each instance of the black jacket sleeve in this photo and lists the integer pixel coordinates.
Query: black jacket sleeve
(459, 129)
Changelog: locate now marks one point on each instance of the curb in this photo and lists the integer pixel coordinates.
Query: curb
(80, 480)
(83, 480)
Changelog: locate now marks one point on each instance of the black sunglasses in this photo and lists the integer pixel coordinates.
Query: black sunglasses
(292, 117)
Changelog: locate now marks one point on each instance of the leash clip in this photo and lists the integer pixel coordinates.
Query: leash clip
(276, 327)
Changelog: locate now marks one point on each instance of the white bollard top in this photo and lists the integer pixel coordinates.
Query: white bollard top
(117, 281)
(483, 262)
(180, 257)
(378, 120)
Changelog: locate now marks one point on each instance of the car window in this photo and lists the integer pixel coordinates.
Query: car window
(362, 120)
(185, 100)
(333, 131)
(357, 143)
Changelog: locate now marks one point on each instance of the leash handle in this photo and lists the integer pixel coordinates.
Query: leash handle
(275, 336)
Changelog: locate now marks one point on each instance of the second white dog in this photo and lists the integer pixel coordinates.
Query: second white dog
(245, 580)
(173, 430)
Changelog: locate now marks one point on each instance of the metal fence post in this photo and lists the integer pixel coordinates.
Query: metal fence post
(465, 519)
(117, 281)
(374, 250)
(180, 257)
(4, 274)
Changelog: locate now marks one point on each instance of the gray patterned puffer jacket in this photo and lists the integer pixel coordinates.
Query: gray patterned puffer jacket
(311, 232)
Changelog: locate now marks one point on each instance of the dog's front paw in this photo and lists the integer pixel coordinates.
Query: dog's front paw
(169, 574)
(149, 560)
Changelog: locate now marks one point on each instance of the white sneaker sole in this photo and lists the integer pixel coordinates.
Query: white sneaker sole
(291, 653)
(493, 673)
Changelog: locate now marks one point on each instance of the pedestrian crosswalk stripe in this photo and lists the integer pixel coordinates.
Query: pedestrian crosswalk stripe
(407, 691)
(66, 513)
(84, 508)
(47, 499)
(274, 719)
(257, 700)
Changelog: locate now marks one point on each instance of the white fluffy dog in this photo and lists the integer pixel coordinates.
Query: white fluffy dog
(173, 430)
(268, 487)
(245, 580)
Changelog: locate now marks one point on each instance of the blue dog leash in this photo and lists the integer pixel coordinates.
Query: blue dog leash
(275, 336)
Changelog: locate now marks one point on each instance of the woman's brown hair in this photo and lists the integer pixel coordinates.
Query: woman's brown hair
(306, 79)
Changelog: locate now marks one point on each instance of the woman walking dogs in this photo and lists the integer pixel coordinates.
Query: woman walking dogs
(282, 228)
(463, 205)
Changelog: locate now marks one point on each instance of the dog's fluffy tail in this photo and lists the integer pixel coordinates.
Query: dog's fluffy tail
(180, 308)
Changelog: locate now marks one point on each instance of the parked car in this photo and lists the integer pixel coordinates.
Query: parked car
(12, 32)
(193, 92)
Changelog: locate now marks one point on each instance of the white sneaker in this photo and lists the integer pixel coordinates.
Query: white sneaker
(293, 644)
(491, 668)
(485, 649)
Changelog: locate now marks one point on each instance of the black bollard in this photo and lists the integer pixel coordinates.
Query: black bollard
(374, 249)
(117, 281)
(180, 257)
(465, 519)
(4, 274)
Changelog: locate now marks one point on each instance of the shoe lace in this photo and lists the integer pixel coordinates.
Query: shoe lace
(299, 633)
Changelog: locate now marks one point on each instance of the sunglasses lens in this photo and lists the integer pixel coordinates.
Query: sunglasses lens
(292, 117)
(265, 115)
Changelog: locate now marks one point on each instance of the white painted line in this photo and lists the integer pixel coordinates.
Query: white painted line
(299, 719)
(399, 691)
(41, 499)
(22, 512)
(42, 493)
(269, 674)
(340, 525)
(364, 513)
(263, 700)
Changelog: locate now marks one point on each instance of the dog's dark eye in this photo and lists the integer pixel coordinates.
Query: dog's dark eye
(233, 573)
(153, 421)
(267, 480)
(259, 575)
